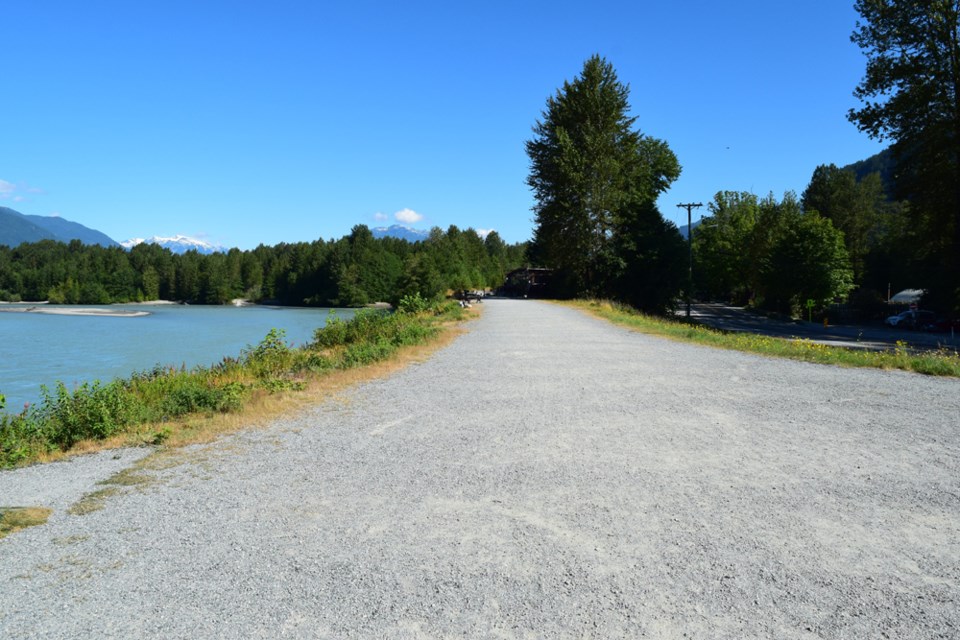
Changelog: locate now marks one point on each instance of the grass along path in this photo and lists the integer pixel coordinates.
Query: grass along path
(941, 363)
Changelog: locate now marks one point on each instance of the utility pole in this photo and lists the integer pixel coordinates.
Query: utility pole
(689, 207)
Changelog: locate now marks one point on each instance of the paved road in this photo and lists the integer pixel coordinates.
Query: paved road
(547, 475)
(874, 337)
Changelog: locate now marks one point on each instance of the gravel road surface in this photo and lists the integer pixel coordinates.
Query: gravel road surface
(546, 476)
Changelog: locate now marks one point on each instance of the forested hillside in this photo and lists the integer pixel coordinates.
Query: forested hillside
(17, 228)
(355, 270)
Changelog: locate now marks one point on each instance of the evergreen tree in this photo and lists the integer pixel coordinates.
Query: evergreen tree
(354, 270)
(595, 179)
(650, 253)
(911, 95)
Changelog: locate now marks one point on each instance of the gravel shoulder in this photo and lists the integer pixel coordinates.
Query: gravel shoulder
(547, 475)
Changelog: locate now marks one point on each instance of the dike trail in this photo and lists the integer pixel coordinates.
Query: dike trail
(547, 475)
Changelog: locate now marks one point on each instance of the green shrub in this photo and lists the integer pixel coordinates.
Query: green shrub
(367, 353)
(276, 385)
(332, 335)
(311, 361)
(20, 440)
(186, 393)
(92, 411)
(413, 303)
(367, 324)
(269, 358)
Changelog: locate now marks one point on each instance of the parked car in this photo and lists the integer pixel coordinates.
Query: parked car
(911, 319)
(942, 325)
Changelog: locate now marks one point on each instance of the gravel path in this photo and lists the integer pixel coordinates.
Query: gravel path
(548, 475)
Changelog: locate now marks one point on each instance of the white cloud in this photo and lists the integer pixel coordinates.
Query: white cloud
(408, 215)
(380, 217)
(483, 233)
(11, 191)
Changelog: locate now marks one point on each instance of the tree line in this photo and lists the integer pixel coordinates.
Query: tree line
(596, 179)
(889, 223)
(353, 271)
(769, 253)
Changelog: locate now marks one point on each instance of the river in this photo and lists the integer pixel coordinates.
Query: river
(43, 348)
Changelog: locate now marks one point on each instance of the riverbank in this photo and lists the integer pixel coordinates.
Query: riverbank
(43, 348)
(175, 404)
(44, 307)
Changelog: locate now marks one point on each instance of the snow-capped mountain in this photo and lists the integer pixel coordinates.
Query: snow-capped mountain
(400, 231)
(176, 244)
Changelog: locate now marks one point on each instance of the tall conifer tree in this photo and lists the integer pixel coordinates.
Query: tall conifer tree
(595, 180)
(911, 95)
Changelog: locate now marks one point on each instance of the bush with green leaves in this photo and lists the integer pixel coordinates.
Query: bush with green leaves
(169, 392)
(269, 358)
(192, 394)
(366, 324)
(361, 353)
(92, 411)
(20, 440)
(413, 303)
(311, 361)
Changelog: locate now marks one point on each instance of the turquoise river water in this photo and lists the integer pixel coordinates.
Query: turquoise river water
(41, 349)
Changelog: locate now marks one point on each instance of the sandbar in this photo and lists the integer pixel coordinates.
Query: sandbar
(79, 311)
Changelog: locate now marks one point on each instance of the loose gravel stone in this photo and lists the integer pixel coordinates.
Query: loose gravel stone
(547, 475)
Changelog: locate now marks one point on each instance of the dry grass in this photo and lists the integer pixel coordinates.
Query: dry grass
(114, 485)
(16, 518)
(942, 363)
(92, 501)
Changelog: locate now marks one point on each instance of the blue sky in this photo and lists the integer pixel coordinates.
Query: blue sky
(265, 122)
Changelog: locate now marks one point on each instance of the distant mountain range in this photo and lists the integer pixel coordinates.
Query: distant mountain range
(177, 244)
(17, 228)
(686, 232)
(400, 231)
(882, 162)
